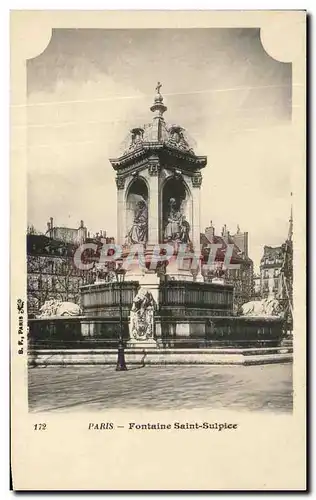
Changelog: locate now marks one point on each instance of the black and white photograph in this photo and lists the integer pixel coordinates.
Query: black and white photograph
(163, 193)
(211, 331)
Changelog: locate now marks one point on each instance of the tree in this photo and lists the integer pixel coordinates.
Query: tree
(52, 273)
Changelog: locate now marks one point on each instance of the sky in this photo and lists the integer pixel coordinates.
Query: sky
(88, 88)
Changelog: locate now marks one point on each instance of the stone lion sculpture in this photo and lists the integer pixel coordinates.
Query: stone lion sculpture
(265, 307)
(58, 308)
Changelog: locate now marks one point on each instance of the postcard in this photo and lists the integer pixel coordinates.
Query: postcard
(158, 262)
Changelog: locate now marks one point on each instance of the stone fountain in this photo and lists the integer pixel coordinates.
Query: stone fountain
(168, 311)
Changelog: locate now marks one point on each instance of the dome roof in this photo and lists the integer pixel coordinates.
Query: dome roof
(158, 131)
(173, 136)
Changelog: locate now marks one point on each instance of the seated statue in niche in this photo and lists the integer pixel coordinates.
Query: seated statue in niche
(138, 231)
(177, 227)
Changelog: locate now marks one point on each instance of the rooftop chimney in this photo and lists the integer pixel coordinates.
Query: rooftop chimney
(225, 232)
(210, 232)
(241, 240)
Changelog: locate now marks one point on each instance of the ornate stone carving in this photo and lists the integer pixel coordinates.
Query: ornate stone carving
(197, 180)
(262, 308)
(102, 274)
(177, 174)
(55, 308)
(177, 139)
(153, 168)
(126, 170)
(120, 182)
(142, 316)
(137, 138)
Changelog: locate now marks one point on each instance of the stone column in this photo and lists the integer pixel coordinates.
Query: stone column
(153, 205)
(196, 229)
(120, 184)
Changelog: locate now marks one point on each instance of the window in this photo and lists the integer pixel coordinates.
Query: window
(266, 286)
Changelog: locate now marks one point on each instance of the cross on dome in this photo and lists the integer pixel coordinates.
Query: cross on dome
(158, 107)
(159, 85)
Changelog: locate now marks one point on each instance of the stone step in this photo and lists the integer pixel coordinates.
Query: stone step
(162, 356)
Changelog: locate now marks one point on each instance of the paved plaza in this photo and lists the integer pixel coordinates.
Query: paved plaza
(93, 388)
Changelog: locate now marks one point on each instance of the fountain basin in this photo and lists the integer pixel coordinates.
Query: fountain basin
(170, 332)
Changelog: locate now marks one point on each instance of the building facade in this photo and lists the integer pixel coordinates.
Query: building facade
(270, 269)
(76, 236)
(276, 275)
(52, 273)
(241, 278)
(257, 286)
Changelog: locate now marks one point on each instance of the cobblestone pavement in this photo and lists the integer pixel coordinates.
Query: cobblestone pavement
(93, 388)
